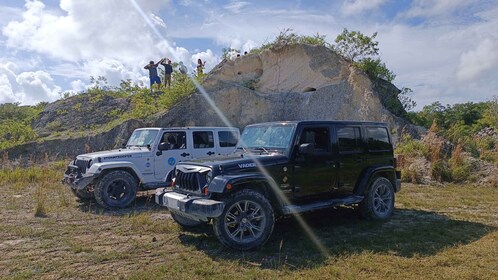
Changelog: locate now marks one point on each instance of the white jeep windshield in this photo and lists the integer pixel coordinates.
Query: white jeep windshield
(271, 136)
(142, 138)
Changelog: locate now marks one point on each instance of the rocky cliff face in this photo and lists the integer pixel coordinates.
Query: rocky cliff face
(297, 82)
(294, 82)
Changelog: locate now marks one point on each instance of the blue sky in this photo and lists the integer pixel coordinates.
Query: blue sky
(445, 50)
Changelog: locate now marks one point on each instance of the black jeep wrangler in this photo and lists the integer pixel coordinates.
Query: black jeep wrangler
(281, 168)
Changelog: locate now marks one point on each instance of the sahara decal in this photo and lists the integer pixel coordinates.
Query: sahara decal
(171, 161)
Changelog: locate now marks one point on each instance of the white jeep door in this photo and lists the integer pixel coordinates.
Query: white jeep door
(164, 161)
(203, 143)
(226, 141)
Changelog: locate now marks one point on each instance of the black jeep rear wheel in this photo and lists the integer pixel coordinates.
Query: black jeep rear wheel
(116, 189)
(378, 203)
(246, 222)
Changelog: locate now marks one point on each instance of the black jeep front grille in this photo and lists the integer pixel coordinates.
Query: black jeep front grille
(82, 165)
(190, 182)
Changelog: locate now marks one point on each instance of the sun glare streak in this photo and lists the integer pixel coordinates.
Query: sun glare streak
(220, 114)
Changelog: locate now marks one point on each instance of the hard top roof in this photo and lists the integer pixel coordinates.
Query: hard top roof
(318, 122)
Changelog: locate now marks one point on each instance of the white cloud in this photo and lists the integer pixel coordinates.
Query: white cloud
(352, 7)
(474, 62)
(26, 87)
(6, 93)
(158, 20)
(236, 6)
(113, 70)
(78, 86)
(208, 57)
(86, 30)
(433, 8)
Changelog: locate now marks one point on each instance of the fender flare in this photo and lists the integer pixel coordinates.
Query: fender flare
(218, 185)
(102, 167)
(368, 173)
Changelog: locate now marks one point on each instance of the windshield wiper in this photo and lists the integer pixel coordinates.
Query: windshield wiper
(242, 148)
(262, 149)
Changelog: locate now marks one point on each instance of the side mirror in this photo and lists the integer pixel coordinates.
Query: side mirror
(163, 146)
(123, 145)
(307, 149)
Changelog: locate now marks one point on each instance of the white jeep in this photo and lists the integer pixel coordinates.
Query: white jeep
(114, 177)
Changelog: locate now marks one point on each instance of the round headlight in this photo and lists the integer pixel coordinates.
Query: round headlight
(90, 162)
(209, 177)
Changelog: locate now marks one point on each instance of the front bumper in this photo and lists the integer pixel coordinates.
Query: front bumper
(193, 207)
(75, 179)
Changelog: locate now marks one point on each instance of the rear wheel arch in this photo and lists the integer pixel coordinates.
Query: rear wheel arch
(371, 175)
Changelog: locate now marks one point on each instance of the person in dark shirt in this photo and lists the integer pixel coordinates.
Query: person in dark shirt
(168, 69)
(154, 78)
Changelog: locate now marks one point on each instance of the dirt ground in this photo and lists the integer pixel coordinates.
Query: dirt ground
(443, 232)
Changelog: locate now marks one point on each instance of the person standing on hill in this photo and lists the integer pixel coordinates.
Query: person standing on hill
(154, 78)
(200, 67)
(182, 68)
(168, 69)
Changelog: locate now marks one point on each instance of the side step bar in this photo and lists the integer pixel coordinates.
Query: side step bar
(292, 209)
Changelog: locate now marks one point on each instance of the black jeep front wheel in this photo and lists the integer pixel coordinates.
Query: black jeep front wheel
(116, 189)
(246, 222)
(378, 203)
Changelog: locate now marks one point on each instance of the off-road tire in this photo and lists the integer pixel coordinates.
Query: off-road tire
(185, 222)
(248, 213)
(83, 194)
(108, 188)
(378, 203)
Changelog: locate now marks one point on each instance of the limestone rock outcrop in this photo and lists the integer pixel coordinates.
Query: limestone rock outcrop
(295, 82)
(292, 82)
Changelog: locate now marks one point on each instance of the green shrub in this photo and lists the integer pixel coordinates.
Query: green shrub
(459, 165)
(14, 133)
(411, 148)
(440, 171)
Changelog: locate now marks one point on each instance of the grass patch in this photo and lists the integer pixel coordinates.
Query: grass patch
(438, 232)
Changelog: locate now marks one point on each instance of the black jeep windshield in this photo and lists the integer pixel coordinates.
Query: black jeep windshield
(142, 138)
(267, 137)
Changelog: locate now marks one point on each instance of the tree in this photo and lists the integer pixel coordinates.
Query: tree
(406, 100)
(355, 46)
(375, 68)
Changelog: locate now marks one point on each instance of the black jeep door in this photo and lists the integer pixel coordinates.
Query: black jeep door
(314, 174)
(351, 157)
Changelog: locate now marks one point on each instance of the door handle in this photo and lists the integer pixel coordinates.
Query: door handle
(358, 160)
(210, 153)
(185, 154)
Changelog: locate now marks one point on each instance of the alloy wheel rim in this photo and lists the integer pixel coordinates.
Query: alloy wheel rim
(382, 199)
(245, 221)
(118, 190)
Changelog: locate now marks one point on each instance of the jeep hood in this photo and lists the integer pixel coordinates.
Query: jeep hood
(239, 161)
(117, 154)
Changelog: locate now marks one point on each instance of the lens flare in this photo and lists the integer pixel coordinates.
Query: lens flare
(309, 232)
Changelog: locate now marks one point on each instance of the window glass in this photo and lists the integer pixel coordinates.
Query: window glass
(228, 138)
(378, 139)
(319, 136)
(276, 136)
(175, 140)
(349, 139)
(142, 138)
(203, 139)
